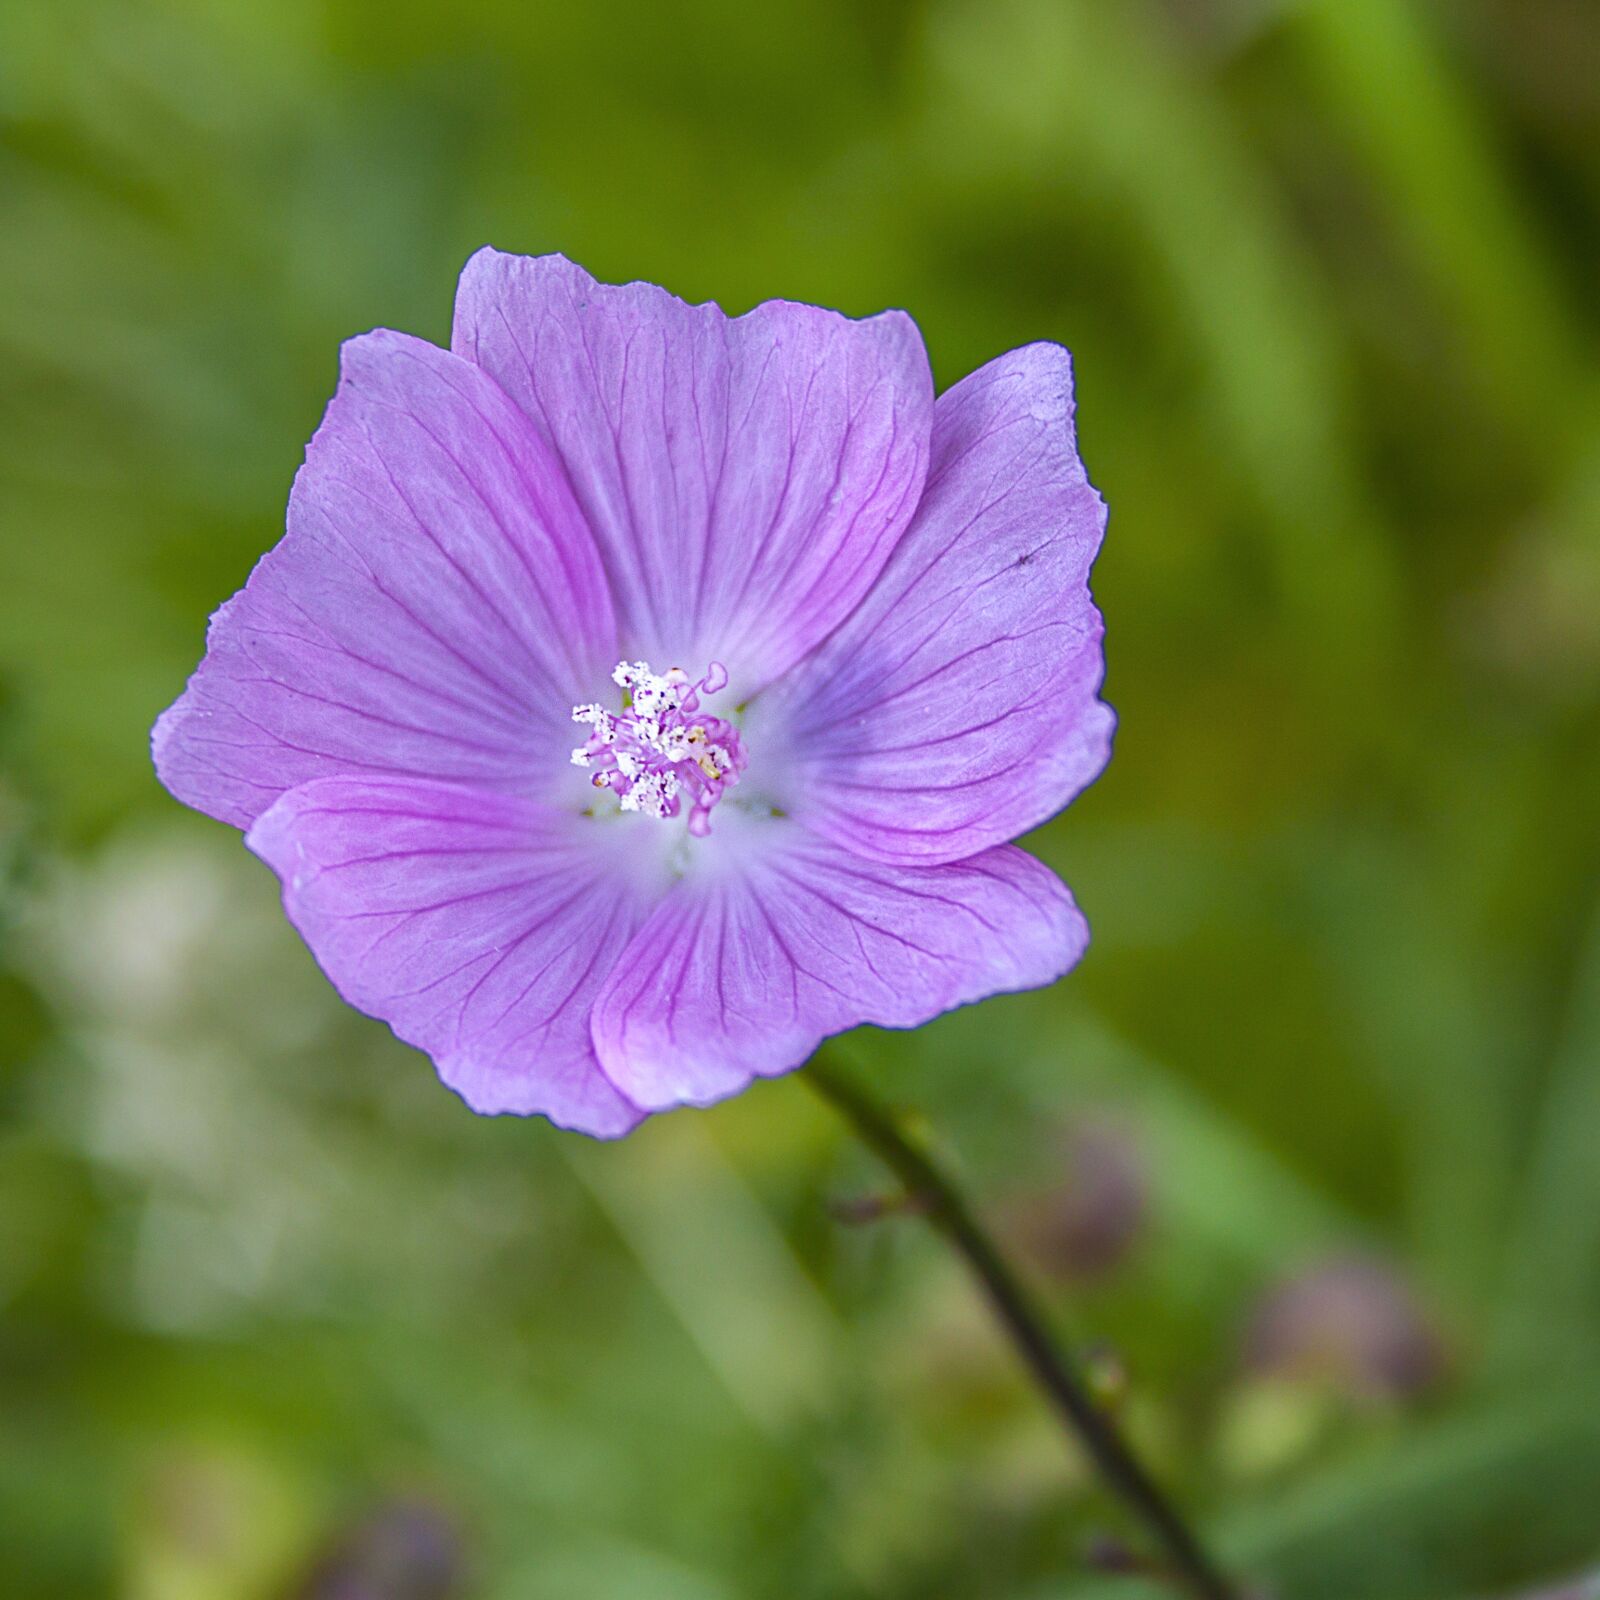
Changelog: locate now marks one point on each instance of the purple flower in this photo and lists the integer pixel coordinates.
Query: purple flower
(640, 694)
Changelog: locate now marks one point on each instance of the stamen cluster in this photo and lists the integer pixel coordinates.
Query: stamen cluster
(661, 749)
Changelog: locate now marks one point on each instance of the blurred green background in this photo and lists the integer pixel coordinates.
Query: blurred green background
(1311, 1141)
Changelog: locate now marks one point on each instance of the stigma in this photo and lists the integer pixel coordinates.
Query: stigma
(661, 754)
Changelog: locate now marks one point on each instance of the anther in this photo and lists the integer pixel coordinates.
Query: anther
(662, 751)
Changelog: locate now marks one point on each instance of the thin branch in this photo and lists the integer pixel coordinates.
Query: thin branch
(1186, 1563)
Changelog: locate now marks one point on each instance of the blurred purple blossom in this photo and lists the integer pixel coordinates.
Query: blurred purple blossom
(1351, 1321)
(405, 1550)
(1083, 1223)
(640, 695)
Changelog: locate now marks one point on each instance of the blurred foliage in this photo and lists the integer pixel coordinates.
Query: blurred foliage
(277, 1314)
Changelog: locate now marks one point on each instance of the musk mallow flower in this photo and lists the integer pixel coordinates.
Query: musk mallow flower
(640, 694)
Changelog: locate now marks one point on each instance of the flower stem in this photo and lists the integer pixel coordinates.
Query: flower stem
(1186, 1562)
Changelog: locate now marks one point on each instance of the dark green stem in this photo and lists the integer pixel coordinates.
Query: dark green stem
(1185, 1561)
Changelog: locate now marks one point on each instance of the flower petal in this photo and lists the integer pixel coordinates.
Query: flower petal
(479, 926)
(958, 706)
(435, 609)
(745, 477)
(742, 971)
